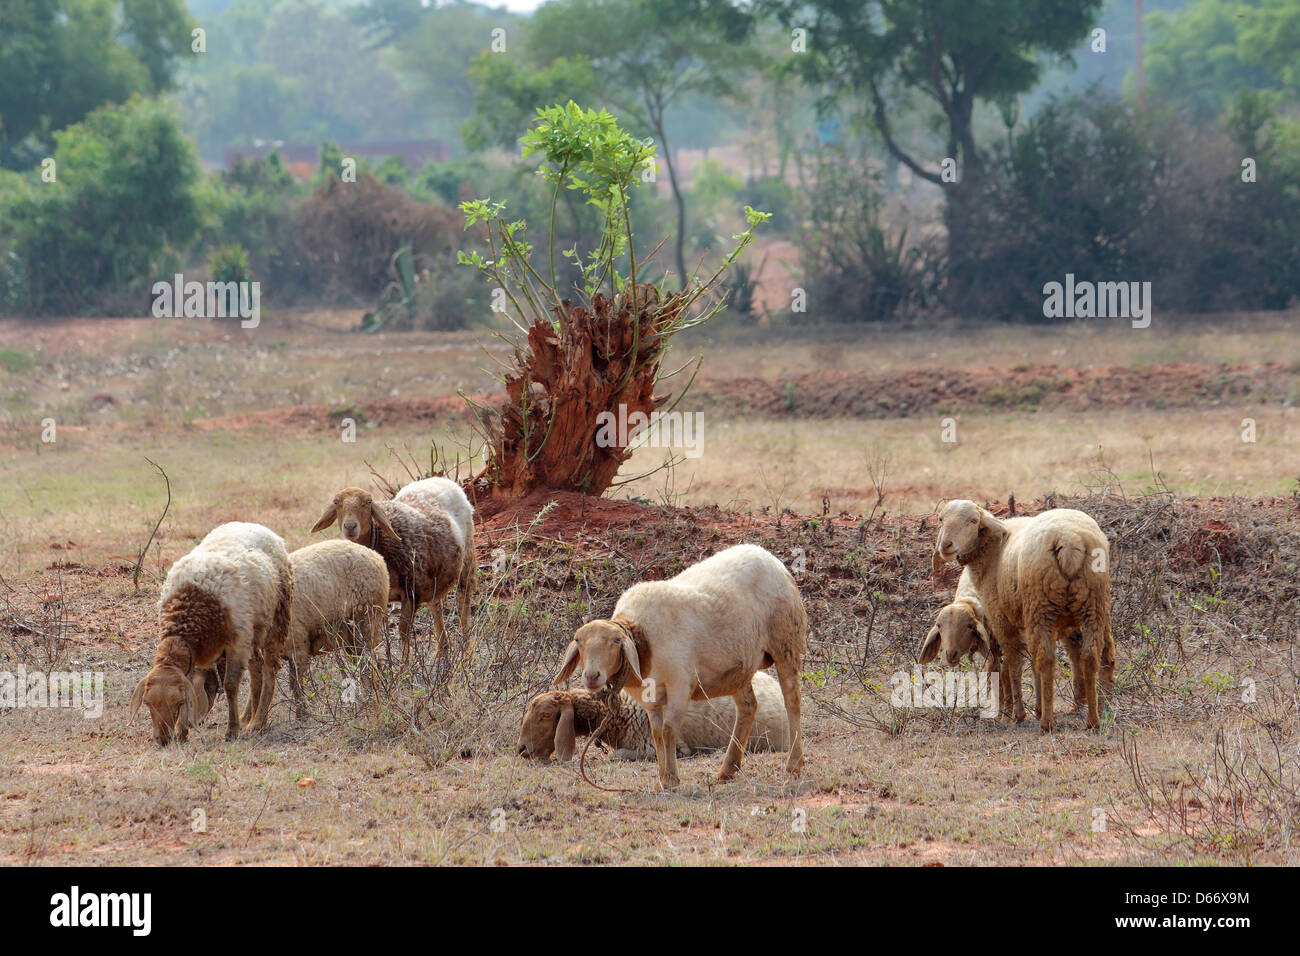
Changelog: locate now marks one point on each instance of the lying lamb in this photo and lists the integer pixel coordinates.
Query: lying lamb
(555, 719)
(700, 635)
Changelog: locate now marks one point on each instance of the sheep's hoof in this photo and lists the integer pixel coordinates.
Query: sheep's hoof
(670, 784)
(1046, 728)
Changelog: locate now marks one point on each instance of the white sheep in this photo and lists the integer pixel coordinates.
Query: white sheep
(228, 598)
(340, 599)
(1041, 580)
(699, 635)
(430, 493)
(423, 550)
(555, 719)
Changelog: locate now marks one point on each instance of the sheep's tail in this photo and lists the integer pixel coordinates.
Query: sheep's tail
(1071, 552)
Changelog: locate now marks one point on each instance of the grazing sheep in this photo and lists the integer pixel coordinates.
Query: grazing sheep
(340, 594)
(450, 497)
(228, 598)
(699, 635)
(555, 719)
(422, 550)
(1041, 580)
(960, 628)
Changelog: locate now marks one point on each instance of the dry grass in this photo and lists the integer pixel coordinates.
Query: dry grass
(417, 765)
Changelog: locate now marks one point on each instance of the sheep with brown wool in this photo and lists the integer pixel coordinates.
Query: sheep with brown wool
(556, 718)
(422, 549)
(1041, 580)
(700, 635)
(438, 493)
(228, 599)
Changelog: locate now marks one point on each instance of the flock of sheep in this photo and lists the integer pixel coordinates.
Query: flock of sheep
(678, 667)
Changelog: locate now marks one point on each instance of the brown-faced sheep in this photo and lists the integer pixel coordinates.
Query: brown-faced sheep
(430, 494)
(961, 628)
(1041, 580)
(228, 598)
(555, 719)
(700, 635)
(422, 550)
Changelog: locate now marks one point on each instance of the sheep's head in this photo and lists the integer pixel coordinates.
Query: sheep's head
(962, 523)
(957, 629)
(603, 648)
(171, 700)
(355, 511)
(548, 726)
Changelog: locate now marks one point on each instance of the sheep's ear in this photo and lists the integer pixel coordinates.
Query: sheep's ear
(378, 517)
(982, 638)
(328, 518)
(565, 738)
(633, 659)
(190, 711)
(929, 647)
(570, 664)
(138, 697)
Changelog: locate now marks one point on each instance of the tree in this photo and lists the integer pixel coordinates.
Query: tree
(955, 52)
(647, 56)
(60, 59)
(1202, 56)
(124, 202)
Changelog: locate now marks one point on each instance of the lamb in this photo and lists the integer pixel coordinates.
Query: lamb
(699, 635)
(432, 493)
(1040, 580)
(228, 598)
(556, 718)
(340, 594)
(960, 628)
(422, 549)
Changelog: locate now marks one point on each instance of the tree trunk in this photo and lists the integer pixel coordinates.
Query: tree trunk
(576, 394)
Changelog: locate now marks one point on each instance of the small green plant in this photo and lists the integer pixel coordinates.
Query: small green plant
(230, 264)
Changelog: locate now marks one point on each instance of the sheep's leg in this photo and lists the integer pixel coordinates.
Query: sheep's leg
(270, 669)
(296, 665)
(746, 708)
(406, 627)
(1072, 651)
(465, 589)
(787, 672)
(439, 628)
(673, 713)
(1016, 705)
(1108, 666)
(254, 688)
(231, 679)
(667, 771)
(1045, 669)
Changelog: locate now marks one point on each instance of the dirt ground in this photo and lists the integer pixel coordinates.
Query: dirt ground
(1196, 763)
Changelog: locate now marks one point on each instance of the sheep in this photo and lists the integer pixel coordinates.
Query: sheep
(960, 628)
(450, 497)
(228, 598)
(422, 549)
(340, 593)
(1040, 580)
(555, 719)
(701, 634)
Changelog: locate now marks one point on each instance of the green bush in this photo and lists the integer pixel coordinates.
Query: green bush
(1092, 187)
(123, 204)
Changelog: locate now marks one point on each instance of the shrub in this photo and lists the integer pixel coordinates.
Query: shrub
(347, 234)
(858, 268)
(230, 264)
